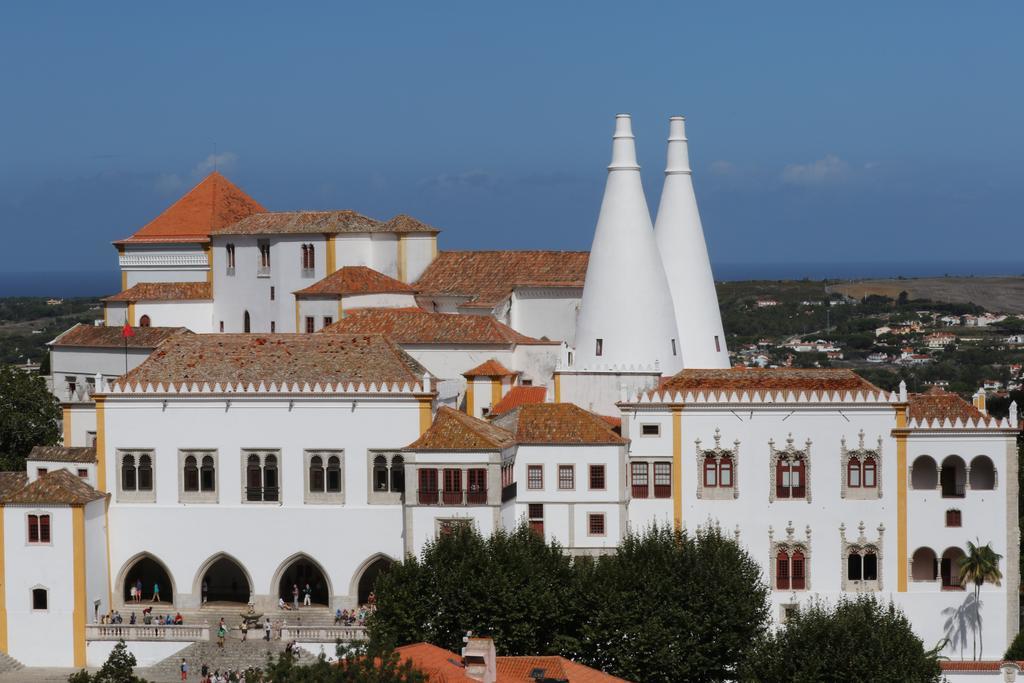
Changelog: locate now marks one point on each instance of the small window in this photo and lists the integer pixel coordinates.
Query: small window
(599, 347)
(534, 477)
(662, 480)
(334, 474)
(40, 599)
(191, 474)
(273, 326)
(328, 320)
(638, 472)
(246, 323)
(535, 518)
(230, 252)
(526, 382)
(596, 477)
(310, 324)
(954, 518)
(221, 325)
(90, 439)
(40, 471)
(650, 430)
(674, 353)
(566, 477)
(144, 321)
(870, 473)
(595, 524)
(853, 473)
(83, 473)
(272, 292)
(39, 528)
(718, 345)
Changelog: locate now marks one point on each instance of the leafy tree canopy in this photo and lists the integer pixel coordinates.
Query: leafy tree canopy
(29, 416)
(358, 667)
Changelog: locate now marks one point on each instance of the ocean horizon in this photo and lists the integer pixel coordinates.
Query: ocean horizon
(69, 284)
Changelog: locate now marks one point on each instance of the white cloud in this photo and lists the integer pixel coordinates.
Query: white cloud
(828, 169)
(722, 167)
(222, 161)
(168, 183)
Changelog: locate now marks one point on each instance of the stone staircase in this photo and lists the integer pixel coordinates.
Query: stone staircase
(8, 663)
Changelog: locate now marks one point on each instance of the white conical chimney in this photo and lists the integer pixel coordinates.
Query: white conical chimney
(625, 316)
(684, 253)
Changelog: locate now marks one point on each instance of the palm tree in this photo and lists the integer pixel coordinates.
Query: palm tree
(980, 565)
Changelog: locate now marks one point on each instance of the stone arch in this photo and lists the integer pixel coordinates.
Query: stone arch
(924, 473)
(227, 583)
(150, 569)
(953, 476)
(923, 565)
(366, 574)
(982, 473)
(949, 567)
(291, 572)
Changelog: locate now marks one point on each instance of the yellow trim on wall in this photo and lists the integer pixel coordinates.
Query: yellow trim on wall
(901, 499)
(425, 406)
(106, 536)
(332, 254)
(402, 270)
(3, 587)
(297, 315)
(66, 410)
(558, 388)
(341, 307)
(495, 391)
(433, 247)
(209, 262)
(105, 322)
(79, 611)
(131, 313)
(677, 466)
(469, 397)
(101, 447)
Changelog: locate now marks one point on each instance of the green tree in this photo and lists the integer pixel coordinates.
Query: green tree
(29, 416)
(119, 668)
(980, 565)
(1015, 652)
(860, 640)
(670, 606)
(358, 667)
(510, 586)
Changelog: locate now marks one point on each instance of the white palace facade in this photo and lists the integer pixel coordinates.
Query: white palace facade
(309, 396)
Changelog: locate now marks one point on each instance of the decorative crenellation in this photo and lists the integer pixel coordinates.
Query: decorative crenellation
(718, 454)
(790, 454)
(118, 387)
(860, 452)
(984, 422)
(775, 397)
(860, 546)
(620, 368)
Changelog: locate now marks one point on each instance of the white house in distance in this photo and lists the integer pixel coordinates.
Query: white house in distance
(313, 394)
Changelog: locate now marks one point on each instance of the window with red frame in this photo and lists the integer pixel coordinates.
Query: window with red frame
(725, 472)
(870, 475)
(799, 566)
(566, 477)
(853, 473)
(782, 570)
(452, 486)
(310, 324)
(534, 477)
(710, 472)
(535, 518)
(595, 523)
(662, 480)
(790, 478)
(596, 477)
(639, 475)
(428, 486)
(39, 528)
(954, 518)
(790, 570)
(476, 491)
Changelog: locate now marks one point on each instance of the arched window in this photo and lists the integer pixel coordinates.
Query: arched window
(983, 474)
(208, 475)
(246, 323)
(853, 473)
(145, 473)
(39, 599)
(270, 487)
(798, 570)
(191, 477)
(305, 257)
(312, 259)
(782, 570)
(253, 479)
(870, 478)
(316, 472)
(144, 321)
(725, 472)
(790, 479)
(334, 474)
(710, 472)
(129, 481)
(380, 473)
(397, 474)
(853, 567)
(870, 566)
(924, 474)
(230, 250)
(924, 565)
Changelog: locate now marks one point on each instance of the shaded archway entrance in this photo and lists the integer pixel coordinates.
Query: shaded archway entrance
(225, 581)
(369, 577)
(150, 573)
(302, 571)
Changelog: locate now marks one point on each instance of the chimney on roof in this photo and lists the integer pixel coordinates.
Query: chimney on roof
(480, 660)
(684, 254)
(625, 317)
(979, 399)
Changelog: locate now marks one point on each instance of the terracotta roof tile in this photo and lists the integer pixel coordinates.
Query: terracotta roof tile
(518, 396)
(322, 222)
(165, 291)
(79, 454)
(416, 326)
(557, 423)
(490, 368)
(454, 430)
(297, 358)
(439, 665)
(940, 405)
(212, 204)
(981, 665)
(521, 669)
(488, 277)
(355, 280)
(103, 336)
(11, 482)
(762, 379)
(58, 487)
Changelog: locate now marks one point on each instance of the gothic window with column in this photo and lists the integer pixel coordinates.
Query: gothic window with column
(717, 470)
(789, 471)
(861, 560)
(861, 470)
(790, 565)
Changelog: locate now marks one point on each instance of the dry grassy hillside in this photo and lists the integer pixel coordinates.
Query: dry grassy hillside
(1001, 294)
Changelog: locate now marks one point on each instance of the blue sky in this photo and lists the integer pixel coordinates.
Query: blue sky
(819, 131)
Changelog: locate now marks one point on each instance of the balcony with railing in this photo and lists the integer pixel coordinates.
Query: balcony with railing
(451, 498)
(182, 633)
(266, 494)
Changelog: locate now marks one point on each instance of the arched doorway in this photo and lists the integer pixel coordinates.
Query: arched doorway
(302, 571)
(225, 581)
(369, 577)
(151, 573)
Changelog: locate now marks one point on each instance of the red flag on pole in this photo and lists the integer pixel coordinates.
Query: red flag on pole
(127, 331)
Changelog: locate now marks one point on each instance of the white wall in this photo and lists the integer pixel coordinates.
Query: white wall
(420, 250)
(32, 468)
(97, 587)
(195, 315)
(389, 300)
(84, 362)
(547, 313)
(164, 263)
(600, 391)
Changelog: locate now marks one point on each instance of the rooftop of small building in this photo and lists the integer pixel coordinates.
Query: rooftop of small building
(517, 396)
(213, 203)
(938, 404)
(350, 280)
(164, 291)
(78, 454)
(454, 430)
(490, 368)
(280, 358)
(444, 666)
(416, 326)
(767, 379)
(104, 336)
(489, 277)
(557, 423)
(58, 487)
(321, 222)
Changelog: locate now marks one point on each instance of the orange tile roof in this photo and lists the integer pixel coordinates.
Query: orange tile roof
(214, 203)
(557, 423)
(11, 482)
(488, 277)
(765, 379)
(58, 487)
(518, 396)
(416, 326)
(291, 358)
(490, 368)
(454, 430)
(444, 666)
(165, 291)
(81, 454)
(104, 336)
(939, 405)
(439, 665)
(355, 280)
(322, 222)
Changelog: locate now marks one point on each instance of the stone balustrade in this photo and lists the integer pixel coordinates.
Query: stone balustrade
(127, 632)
